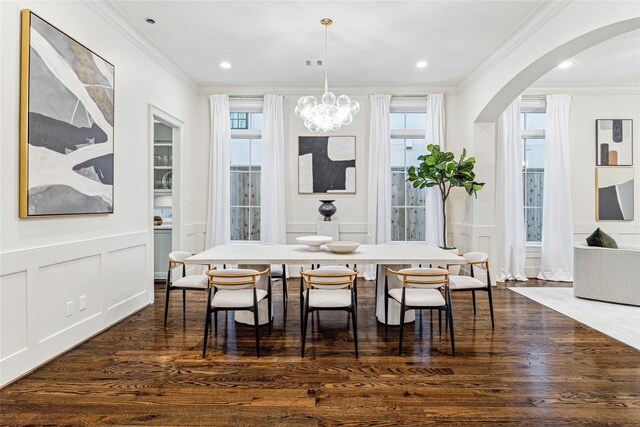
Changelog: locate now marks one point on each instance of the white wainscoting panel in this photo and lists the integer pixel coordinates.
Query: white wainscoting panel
(125, 284)
(114, 275)
(13, 318)
(63, 283)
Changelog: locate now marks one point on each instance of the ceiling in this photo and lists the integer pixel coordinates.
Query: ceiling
(615, 62)
(370, 42)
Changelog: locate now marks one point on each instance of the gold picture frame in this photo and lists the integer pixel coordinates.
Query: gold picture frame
(66, 124)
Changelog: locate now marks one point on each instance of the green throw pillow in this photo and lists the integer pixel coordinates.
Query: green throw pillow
(601, 239)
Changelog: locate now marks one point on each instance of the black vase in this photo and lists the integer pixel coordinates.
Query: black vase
(327, 209)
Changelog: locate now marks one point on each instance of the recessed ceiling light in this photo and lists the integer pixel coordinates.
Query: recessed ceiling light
(150, 20)
(422, 64)
(565, 64)
(225, 65)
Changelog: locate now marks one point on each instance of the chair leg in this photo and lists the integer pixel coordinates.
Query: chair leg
(386, 312)
(215, 322)
(301, 305)
(184, 304)
(355, 328)
(269, 311)
(207, 322)
(490, 305)
(453, 345)
(305, 320)
(386, 300)
(450, 316)
(440, 321)
(473, 297)
(401, 328)
(256, 322)
(166, 303)
(285, 291)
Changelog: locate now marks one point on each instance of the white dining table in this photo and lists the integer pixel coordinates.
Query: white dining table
(390, 254)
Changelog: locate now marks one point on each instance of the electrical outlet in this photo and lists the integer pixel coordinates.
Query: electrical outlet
(82, 304)
(69, 308)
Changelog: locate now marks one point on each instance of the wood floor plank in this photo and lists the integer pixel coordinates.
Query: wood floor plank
(537, 367)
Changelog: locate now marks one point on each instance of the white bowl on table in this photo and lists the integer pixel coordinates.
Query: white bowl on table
(314, 242)
(343, 247)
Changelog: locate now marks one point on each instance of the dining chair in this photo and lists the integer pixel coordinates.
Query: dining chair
(328, 288)
(458, 283)
(236, 289)
(192, 282)
(421, 289)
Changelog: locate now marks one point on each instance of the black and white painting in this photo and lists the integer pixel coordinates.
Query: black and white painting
(614, 141)
(67, 124)
(614, 199)
(326, 164)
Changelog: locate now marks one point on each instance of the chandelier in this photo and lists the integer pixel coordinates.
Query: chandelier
(331, 113)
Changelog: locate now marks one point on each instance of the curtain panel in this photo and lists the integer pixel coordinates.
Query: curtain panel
(379, 182)
(272, 209)
(556, 261)
(509, 205)
(218, 208)
(434, 134)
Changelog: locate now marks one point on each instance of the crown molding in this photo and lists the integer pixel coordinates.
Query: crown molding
(261, 90)
(529, 26)
(582, 90)
(123, 25)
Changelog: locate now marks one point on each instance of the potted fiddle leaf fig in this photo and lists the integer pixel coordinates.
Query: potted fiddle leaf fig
(439, 168)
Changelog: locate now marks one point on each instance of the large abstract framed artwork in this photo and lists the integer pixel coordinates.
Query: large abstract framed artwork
(66, 124)
(614, 142)
(614, 194)
(326, 164)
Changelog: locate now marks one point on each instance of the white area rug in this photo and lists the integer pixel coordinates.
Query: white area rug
(621, 322)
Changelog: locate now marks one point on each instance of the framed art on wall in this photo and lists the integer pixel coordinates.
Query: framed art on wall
(66, 124)
(326, 164)
(614, 194)
(614, 142)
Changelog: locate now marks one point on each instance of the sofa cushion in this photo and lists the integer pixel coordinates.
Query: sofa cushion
(601, 239)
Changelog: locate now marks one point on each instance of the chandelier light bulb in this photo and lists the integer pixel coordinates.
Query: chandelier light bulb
(330, 113)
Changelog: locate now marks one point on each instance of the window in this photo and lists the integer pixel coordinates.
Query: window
(408, 212)
(239, 121)
(245, 161)
(532, 122)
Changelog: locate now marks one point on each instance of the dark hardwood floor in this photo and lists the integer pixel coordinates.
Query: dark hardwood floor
(537, 367)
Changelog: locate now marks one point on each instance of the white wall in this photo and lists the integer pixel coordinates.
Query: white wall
(585, 109)
(535, 43)
(47, 262)
(302, 209)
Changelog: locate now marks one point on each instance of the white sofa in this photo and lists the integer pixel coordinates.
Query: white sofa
(611, 275)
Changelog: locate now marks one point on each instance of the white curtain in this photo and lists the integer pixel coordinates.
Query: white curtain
(434, 134)
(272, 212)
(556, 262)
(218, 215)
(379, 182)
(510, 234)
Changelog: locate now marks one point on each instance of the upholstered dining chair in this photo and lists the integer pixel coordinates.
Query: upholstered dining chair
(328, 288)
(478, 263)
(193, 282)
(236, 289)
(421, 289)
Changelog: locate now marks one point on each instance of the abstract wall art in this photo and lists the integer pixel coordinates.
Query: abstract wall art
(66, 124)
(614, 194)
(614, 142)
(326, 164)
